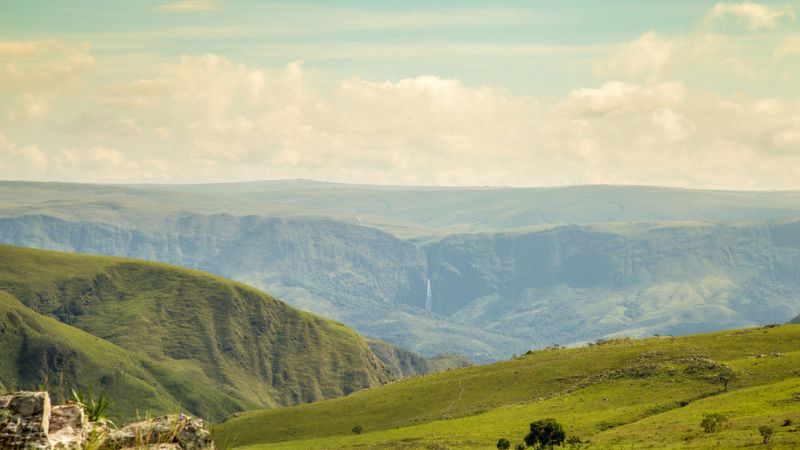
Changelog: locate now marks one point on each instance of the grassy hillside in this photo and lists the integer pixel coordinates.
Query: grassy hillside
(214, 346)
(649, 393)
(41, 352)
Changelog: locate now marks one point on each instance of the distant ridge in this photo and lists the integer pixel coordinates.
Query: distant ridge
(509, 269)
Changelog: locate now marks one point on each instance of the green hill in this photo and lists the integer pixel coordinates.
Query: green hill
(624, 393)
(160, 337)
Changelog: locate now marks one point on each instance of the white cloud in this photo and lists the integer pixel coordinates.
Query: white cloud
(105, 165)
(41, 65)
(26, 162)
(752, 15)
(621, 98)
(653, 57)
(673, 125)
(645, 57)
(189, 6)
(789, 47)
(209, 119)
(36, 73)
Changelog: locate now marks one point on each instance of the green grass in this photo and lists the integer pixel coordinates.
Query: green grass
(622, 394)
(190, 340)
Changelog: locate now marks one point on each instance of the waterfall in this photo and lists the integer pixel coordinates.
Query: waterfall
(428, 298)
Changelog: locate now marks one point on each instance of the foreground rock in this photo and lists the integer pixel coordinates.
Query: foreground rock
(27, 421)
(180, 432)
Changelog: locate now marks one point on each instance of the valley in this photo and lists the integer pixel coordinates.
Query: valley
(562, 266)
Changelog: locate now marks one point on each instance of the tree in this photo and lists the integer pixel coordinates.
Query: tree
(711, 423)
(766, 432)
(546, 433)
(358, 429)
(503, 444)
(725, 376)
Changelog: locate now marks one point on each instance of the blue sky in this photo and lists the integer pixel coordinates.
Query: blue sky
(687, 93)
(535, 47)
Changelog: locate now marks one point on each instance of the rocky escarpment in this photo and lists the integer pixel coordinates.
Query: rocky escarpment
(492, 294)
(358, 275)
(28, 422)
(333, 261)
(567, 284)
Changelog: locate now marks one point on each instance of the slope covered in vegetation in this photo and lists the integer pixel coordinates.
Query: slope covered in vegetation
(649, 393)
(163, 337)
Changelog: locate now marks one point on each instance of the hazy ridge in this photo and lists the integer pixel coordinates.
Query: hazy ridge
(510, 269)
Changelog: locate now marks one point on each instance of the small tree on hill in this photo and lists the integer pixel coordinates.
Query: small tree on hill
(725, 376)
(546, 433)
(711, 423)
(503, 444)
(358, 429)
(766, 432)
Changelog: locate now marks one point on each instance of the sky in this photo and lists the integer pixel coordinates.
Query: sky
(699, 94)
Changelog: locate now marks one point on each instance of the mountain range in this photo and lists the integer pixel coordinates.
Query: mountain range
(481, 272)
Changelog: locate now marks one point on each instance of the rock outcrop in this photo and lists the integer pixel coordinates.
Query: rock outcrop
(178, 431)
(68, 426)
(28, 422)
(25, 420)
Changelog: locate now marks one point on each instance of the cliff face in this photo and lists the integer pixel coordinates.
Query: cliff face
(322, 256)
(571, 283)
(492, 294)
(161, 336)
(359, 275)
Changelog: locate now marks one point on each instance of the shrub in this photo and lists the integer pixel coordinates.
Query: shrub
(766, 432)
(545, 433)
(94, 408)
(712, 422)
(503, 444)
(787, 423)
(358, 429)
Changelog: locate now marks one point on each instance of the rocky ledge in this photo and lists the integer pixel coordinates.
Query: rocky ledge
(27, 421)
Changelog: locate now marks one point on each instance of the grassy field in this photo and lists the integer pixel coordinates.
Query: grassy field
(163, 338)
(649, 393)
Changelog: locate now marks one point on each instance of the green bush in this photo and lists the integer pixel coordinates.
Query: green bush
(712, 422)
(503, 444)
(94, 408)
(546, 433)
